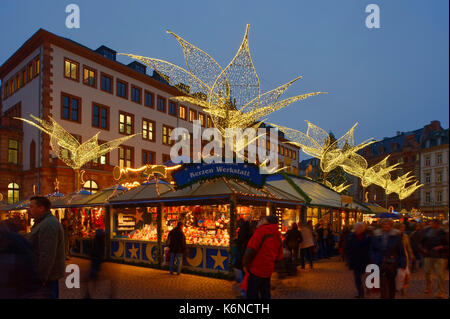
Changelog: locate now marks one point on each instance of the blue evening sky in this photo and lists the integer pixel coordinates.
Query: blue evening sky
(390, 79)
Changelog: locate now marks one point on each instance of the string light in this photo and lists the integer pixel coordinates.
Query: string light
(230, 95)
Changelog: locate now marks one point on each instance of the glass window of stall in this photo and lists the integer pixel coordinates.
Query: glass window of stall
(203, 224)
(312, 214)
(136, 223)
(251, 213)
(351, 219)
(288, 217)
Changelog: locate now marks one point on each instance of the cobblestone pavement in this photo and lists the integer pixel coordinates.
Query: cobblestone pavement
(330, 279)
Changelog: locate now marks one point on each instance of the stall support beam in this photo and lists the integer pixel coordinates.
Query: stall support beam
(232, 248)
(159, 216)
(108, 231)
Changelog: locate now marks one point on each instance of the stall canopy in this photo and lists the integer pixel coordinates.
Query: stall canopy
(375, 208)
(98, 199)
(61, 202)
(314, 193)
(162, 191)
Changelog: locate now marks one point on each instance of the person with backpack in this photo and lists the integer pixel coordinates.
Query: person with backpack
(264, 249)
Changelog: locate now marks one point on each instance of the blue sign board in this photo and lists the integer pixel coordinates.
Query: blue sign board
(191, 173)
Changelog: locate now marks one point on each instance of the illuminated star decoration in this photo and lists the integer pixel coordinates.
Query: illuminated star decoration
(230, 95)
(138, 217)
(78, 154)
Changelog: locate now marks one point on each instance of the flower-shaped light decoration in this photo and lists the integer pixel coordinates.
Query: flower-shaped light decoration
(78, 154)
(230, 95)
(340, 188)
(317, 143)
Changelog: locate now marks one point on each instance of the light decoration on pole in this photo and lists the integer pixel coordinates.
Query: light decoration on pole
(78, 153)
(230, 95)
(316, 143)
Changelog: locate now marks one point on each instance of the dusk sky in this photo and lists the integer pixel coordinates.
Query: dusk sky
(390, 79)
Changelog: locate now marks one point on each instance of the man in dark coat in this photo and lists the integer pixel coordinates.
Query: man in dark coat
(177, 245)
(386, 251)
(357, 255)
(292, 240)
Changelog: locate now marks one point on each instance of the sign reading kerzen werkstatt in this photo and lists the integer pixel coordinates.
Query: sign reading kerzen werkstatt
(191, 173)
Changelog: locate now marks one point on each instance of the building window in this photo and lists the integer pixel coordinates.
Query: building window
(13, 193)
(106, 83)
(167, 130)
(30, 72)
(90, 77)
(428, 161)
(201, 118)
(294, 154)
(100, 116)
(13, 151)
(103, 159)
(192, 115)
(23, 78)
(71, 69)
(172, 108)
(209, 121)
(161, 104)
(136, 94)
(183, 112)
(18, 81)
(37, 66)
(439, 159)
(91, 186)
(148, 130)
(439, 196)
(439, 177)
(148, 157)
(126, 156)
(428, 197)
(122, 89)
(70, 107)
(148, 99)
(126, 123)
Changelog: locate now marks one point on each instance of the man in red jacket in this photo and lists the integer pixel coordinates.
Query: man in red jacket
(263, 250)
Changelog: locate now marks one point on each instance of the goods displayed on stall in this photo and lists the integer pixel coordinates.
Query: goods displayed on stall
(85, 221)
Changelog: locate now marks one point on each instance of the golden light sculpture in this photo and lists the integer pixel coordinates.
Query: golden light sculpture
(316, 142)
(231, 95)
(340, 188)
(78, 153)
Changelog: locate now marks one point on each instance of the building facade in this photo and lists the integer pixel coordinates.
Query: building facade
(434, 175)
(87, 91)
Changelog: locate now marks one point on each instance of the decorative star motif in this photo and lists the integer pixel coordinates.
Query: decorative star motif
(218, 260)
(138, 217)
(133, 251)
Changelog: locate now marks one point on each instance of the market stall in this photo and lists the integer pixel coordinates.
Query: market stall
(85, 214)
(322, 203)
(209, 209)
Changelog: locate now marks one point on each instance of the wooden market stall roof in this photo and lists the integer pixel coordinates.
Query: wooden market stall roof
(100, 198)
(162, 191)
(375, 208)
(314, 193)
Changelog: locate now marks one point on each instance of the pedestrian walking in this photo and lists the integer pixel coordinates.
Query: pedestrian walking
(263, 250)
(342, 243)
(435, 247)
(386, 251)
(404, 276)
(243, 236)
(18, 278)
(322, 235)
(65, 224)
(357, 255)
(415, 238)
(47, 239)
(97, 255)
(177, 247)
(306, 246)
(292, 240)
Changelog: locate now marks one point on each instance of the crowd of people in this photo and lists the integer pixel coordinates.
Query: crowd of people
(397, 249)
